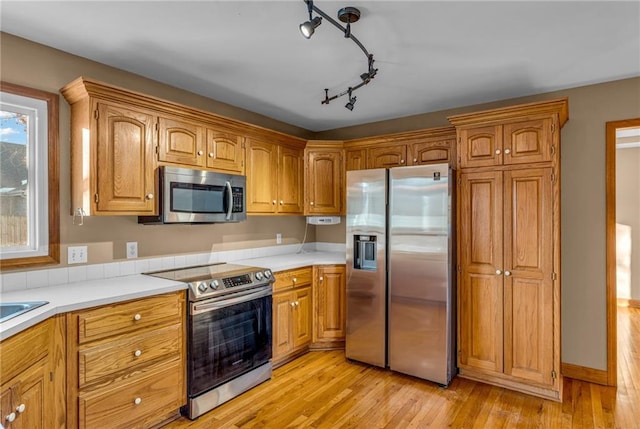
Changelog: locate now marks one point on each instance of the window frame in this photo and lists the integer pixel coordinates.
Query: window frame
(53, 177)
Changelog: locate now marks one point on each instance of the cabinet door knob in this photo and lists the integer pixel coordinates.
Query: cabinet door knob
(293, 304)
(281, 202)
(415, 160)
(137, 401)
(294, 279)
(507, 273)
(10, 417)
(137, 353)
(137, 317)
(20, 408)
(498, 151)
(273, 202)
(149, 196)
(320, 278)
(402, 161)
(507, 151)
(498, 272)
(311, 203)
(210, 154)
(200, 152)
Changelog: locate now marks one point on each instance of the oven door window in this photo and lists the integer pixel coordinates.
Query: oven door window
(228, 342)
(197, 198)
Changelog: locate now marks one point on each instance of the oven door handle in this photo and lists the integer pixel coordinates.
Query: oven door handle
(206, 306)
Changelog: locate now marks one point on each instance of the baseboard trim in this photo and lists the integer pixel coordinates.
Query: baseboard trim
(592, 375)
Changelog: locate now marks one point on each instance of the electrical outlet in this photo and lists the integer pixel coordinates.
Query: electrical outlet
(132, 249)
(77, 255)
(278, 238)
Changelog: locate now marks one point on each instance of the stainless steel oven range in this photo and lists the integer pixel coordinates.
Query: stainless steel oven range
(229, 332)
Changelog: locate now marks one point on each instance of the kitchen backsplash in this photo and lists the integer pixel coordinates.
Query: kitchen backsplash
(56, 276)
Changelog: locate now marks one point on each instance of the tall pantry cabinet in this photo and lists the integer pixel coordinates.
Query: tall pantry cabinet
(509, 246)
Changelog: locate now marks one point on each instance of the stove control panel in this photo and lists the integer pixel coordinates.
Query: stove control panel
(212, 287)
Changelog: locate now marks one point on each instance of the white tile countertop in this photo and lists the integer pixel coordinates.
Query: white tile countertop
(90, 293)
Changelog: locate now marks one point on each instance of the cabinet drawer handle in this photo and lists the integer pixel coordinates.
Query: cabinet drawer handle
(507, 151)
(210, 154)
(137, 316)
(20, 408)
(498, 272)
(137, 353)
(10, 417)
(507, 273)
(200, 152)
(137, 401)
(497, 151)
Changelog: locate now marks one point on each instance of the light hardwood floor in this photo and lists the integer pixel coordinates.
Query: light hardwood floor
(323, 390)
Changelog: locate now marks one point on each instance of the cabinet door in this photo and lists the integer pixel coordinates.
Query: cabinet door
(125, 160)
(432, 152)
(480, 257)
(387, 157)
(323, 181)
(528, 284)
(225, 151)
(528, 141)
(290, 178)
(330, 303)
(181, 142)
(282, 334)
(302, 316)
(262, 161)
(480, 147)
(24, 396)
(356, 159)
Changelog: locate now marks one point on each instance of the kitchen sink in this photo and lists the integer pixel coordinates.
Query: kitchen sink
(9, 310)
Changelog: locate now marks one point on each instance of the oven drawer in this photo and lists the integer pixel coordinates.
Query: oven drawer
(139, 403)
(116, 319)
(128, 353)
(292, 278)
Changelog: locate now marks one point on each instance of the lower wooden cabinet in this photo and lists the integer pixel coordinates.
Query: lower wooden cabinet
(292, 314)
(126, 363)
(32, 375)
(329, 301)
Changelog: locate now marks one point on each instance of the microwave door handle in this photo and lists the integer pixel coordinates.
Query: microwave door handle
(229, 200)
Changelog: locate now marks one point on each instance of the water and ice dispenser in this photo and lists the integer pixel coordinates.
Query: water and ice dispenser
(365, 252)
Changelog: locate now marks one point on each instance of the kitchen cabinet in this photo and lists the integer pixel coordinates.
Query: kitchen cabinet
(274, 178)
(126, 363)
(292, 314)
(112, 150)
(324, 179)
(355, 159)
(509, 265)
(329, 302)
(181, 142)
(387, 157)
(32, 377)
(225, 151)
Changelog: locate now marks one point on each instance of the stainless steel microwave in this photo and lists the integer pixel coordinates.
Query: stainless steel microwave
(198, 196)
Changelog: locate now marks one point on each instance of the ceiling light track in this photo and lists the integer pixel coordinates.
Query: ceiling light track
(348, 15)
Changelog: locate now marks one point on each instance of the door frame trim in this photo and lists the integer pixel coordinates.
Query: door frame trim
(612, 302)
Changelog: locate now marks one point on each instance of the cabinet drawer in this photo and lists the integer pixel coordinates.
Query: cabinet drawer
(116, 319)
(113, 357)
(159, 395)
(292, 278)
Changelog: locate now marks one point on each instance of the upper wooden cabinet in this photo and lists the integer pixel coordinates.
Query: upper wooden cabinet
(324, 194)
(428, 146)
(523, 134)
(274, 178)
(225, 151)
(181, 142)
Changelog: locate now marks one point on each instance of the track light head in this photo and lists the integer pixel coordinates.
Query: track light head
(307, 28)
(352, 100)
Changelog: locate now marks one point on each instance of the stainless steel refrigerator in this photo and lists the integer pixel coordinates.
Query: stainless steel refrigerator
(400, 248)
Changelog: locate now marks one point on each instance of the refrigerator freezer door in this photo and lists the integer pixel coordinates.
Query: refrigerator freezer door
(419, 281)
(366, 271)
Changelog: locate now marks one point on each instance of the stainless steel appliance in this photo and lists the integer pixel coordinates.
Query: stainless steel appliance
(198, 196)
(401, 270)
(229, 332)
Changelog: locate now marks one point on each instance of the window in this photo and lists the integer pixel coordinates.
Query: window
(29, 195)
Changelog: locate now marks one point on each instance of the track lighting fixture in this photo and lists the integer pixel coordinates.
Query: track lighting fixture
(347, 15)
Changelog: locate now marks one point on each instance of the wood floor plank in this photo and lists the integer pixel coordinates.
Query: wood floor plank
(324, 390)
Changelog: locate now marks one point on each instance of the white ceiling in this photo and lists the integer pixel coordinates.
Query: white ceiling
(431, 55)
